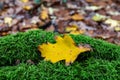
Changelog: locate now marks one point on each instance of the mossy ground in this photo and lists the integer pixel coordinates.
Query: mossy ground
(103, 63)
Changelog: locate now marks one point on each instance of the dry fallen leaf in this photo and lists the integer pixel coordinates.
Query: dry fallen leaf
(63, 49)
(77, 17)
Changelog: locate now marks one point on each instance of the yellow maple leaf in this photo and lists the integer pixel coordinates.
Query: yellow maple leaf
(63, 49)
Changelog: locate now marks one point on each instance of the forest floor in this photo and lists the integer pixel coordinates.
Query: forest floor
(95, 18)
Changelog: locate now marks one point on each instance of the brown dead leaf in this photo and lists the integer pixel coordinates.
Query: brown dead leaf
(50, 28)
(30, 62)
(117, 17)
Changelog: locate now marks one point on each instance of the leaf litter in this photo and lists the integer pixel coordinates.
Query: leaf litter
(98, 19)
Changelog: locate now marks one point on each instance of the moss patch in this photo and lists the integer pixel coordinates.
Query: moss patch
(101, 63)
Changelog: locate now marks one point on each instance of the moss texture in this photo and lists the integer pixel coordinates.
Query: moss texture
(103, 63)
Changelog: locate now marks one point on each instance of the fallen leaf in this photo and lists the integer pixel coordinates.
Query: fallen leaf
(116, 17)
(112, 23)
(50, 28)
(35, 20)
(63, 49)
(8, 20)
(90, 1)
(71, 6)
(51, 10)
(25, 1)
(117, 28)
(44, 14)
(30, 62)
(77, 32)
(115, 13)
(71, 28)
(77, 17)
(28, 7)
(98, 17)
(93, 8)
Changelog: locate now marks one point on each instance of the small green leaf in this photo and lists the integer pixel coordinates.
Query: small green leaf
(37, 1)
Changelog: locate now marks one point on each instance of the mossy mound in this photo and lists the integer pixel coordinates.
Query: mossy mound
(103, 63)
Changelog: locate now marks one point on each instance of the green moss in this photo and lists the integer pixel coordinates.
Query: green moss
(103, 63)
(91, 69)
(23, 46)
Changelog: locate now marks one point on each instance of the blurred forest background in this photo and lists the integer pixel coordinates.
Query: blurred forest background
(95, 18)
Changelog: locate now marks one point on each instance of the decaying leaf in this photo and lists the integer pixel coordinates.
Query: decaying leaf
(77, 17)
(63, 49)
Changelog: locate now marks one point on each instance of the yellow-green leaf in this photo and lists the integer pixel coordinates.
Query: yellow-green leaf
(98, 17)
